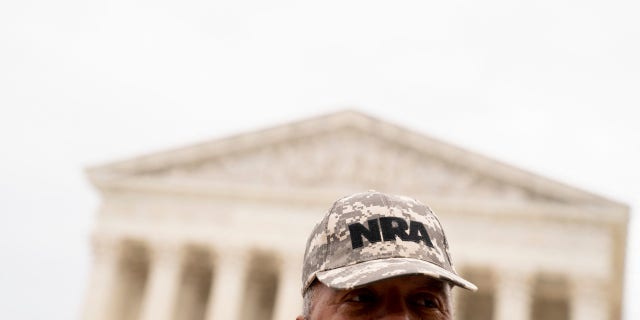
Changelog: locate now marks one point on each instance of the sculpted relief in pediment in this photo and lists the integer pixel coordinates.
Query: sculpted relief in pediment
(344, 159)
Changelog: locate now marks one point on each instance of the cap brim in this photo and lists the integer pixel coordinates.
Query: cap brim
(367, 272)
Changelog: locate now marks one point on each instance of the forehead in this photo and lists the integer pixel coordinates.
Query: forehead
(404, 283)
(410, 281)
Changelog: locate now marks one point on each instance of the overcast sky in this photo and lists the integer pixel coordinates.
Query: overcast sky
(548, 86)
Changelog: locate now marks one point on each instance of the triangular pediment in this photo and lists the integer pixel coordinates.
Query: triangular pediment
(346, 151)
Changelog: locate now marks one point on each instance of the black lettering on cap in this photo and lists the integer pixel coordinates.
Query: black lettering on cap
(417, 233)
(357, 231)
(389, 228)
(392, 227)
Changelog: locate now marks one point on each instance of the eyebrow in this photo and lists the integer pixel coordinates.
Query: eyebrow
(422, 283)
(431, 283)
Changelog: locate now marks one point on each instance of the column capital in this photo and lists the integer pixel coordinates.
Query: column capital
(288, 258)
(236, 254)
(520, 280)
(106, 247)
(588, 285)
(166, 251)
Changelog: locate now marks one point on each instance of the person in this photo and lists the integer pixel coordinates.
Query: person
(378, 256)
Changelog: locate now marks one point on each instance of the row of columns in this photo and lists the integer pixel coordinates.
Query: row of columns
(164, 276)
(513, 289)
(588, 298)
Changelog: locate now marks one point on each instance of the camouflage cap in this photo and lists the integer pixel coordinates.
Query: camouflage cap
(371, 236)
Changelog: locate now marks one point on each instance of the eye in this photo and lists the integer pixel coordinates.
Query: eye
(361, 296)
(425, 300)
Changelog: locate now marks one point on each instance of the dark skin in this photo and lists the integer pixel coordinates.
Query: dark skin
(401, 298)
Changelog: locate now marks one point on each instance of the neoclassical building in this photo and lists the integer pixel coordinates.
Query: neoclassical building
(216, 231)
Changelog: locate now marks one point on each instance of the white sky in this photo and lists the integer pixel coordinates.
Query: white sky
(548, 86)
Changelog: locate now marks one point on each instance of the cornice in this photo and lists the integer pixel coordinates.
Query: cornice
(477, 206)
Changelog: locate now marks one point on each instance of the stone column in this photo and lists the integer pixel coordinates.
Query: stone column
(288, 303)
(228, 283)
(106, 257)
(455, 297)
(163, 282)
(589, 299)
(513, 295)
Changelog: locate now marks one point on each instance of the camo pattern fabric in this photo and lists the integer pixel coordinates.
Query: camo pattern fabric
(334, 258)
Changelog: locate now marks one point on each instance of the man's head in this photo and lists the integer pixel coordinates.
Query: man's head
(376, 243)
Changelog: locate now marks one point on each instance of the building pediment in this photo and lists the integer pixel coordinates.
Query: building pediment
(218, 209)
(345, 151)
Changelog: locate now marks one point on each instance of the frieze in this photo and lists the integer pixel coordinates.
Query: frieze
(347, 158)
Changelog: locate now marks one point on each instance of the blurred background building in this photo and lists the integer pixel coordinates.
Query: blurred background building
(217, 230)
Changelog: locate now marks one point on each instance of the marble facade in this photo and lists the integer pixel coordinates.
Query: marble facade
(217, 230)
